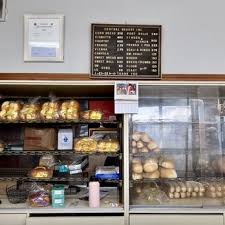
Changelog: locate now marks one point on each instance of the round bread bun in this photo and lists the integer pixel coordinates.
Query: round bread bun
(137, 168)
(150, 165)
(133, 143)
(144, 150)
(140, 144)
(145, 138)
(152, 145)
(167, 163)
(153, 175)
(136, 176)
(168, 173)
(136, 136)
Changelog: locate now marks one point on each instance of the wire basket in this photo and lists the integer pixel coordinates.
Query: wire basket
(17, 195)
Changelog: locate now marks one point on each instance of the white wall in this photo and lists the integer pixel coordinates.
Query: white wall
(193, 32)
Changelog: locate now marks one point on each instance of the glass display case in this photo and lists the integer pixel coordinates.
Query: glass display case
(52, 146)
(177, 147)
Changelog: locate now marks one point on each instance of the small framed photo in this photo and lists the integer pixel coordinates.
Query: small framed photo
(2, 10)
(44, 38)
(104, 133)
(126, 90)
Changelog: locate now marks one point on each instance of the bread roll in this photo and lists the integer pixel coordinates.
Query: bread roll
(170, 186)
(200, 194)
(152, 145)
(134, 150)
(171, 195)
(177, 187)
(145, 138)
(219, 194)
(188, 194)
(140, 144)
(168, 173)
(176, 195)
(136, 136)
(133, 143)
(211, 194)
(167, 163)
(156, 150)
(183, 195)
(182, 186)
(194, 194)
(137, 176)
(153, 175)
(150, 165)
(137, 168)
(144, 150)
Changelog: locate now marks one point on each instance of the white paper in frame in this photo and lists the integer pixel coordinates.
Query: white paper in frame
(2, 10)
(43, 38)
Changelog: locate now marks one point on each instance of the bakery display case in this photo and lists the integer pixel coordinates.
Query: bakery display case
(176, 147)
(54, 141)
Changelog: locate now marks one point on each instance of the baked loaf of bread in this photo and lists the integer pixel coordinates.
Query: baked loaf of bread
(50, 111)
(166, 163)
(152, 175)
(10, 111)
(41, 172)
(70, 110)
(150, 165)
(92, 115)
(86, 144)
(30, 112)
(142, 143)
(108, 146)
(168, 173)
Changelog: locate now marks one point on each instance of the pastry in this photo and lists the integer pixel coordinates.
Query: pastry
(150, 165)
(145, 138)
(137, 176)
(133, 143)
(140, 144)
(152, 175)
(152, 145)
(144, 150)
(168, 173)
(86, 145)
(41, 173)
(136, 136)
(50, 111)
(137, 168)
(167, 163)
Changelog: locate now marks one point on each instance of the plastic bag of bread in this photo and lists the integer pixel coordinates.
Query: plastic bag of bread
(30, 111)
(10, 111)
(70, 110)
(41, 172)
(50, 109)
(86, 144)
(110, 145)
(47, 161)
(40, 195)
(92, 115)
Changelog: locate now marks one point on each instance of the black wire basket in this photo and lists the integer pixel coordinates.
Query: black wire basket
(17, 194)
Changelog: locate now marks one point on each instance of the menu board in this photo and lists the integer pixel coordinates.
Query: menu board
(126, 51)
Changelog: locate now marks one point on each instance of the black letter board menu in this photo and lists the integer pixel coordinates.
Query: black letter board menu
(126, 51)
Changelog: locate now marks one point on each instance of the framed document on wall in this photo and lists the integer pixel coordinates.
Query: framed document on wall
(2, 10)
(44, 38)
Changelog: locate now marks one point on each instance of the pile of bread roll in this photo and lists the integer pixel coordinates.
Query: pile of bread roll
(153, 168)
(215, 189)
(70, 110)
(30, 112)
(50, 111)
(187, 189)
(10, 111)
(141, 142)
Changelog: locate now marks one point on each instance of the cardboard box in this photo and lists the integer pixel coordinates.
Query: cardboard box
(39, 139)
(65, 139)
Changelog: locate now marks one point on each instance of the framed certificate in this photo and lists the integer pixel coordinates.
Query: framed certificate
(44, 38)
(2, 10)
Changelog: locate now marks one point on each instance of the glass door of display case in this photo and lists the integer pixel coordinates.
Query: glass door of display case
(176, 148)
